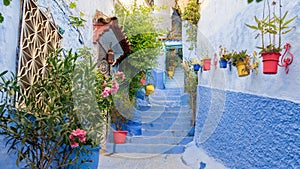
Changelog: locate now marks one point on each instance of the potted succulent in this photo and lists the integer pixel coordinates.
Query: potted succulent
(225, 56)
(271, 28)
(241, 61)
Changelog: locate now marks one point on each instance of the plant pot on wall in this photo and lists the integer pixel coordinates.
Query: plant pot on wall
(242, 69)
(196, 67)
(223, 63)
(88, 159)
(206, 64)
(270, 62)
(119, 136)
(149, 89)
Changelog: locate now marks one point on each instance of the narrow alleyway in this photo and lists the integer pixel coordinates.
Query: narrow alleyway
(165, 135)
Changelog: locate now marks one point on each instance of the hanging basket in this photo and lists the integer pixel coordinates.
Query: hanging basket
(197, 67)
(270, 62)
(223, 63)
(242, 69)
(119, 136)
(149, 89)
(206, 64)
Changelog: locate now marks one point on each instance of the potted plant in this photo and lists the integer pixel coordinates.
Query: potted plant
(241, 61)
(196, 64)
(206, 63)
(271, 28)
(108, 94)
(44, 127)
(225, 56)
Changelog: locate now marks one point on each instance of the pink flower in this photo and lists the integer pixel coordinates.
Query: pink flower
(118, 74)
(104, 83)
(74, 144)
(78, 132)
(143, 81)
(115, 87)
(106, 92)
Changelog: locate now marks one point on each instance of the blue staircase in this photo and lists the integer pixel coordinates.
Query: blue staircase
(166, 122)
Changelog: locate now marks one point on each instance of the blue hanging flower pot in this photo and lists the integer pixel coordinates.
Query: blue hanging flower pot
(223, 63)
(197, 67)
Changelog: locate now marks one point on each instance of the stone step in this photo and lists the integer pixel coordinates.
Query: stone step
(159, 140)
(166, 126)
(166, 120)
(165, 133)
(145, 148)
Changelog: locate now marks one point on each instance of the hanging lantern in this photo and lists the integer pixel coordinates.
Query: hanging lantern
(110, 56)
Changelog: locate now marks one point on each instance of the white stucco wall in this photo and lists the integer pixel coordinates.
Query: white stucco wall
(61, 13)
(230, 31)
(9, 35)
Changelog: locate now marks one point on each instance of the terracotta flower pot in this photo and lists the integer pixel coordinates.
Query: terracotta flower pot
(119, 136)
(270, 62)
(206, 64)
(242, 69)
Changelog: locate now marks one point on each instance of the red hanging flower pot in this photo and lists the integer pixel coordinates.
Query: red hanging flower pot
(206, 64)
(270, 62)
(119, 136)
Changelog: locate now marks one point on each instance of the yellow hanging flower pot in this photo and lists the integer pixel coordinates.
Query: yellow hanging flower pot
(149, 89)
(242, 69)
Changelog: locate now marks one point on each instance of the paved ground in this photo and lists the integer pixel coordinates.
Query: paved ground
(190, 159)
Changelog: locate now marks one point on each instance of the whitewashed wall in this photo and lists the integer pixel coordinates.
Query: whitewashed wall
(230, 31)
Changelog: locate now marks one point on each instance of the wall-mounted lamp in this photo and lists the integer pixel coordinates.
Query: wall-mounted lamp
(110, 55)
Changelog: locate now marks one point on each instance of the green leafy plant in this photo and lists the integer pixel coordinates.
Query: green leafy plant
(139, 25)
(249, 1)
(40, 130)
(271, 27)
(191, 83)
(192, 15)
(77, 21)
(239, 57)
(224, 54)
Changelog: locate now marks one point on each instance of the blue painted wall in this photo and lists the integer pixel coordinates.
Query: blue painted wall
(253, 131)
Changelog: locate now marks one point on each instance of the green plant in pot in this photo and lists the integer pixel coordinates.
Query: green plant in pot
(241, 60)
(271, 28)
(225, 56)
(46, 131)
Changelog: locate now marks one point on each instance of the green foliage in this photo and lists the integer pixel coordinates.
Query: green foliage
(1, 18)
(191, 83)
(191, 12)
(272, 27)
(249, 1)
(72, 5)
(224, 54)
(239, 57)
(6, 2)
(77, 21)
(38, 130)
(192, 15)
(139, 26)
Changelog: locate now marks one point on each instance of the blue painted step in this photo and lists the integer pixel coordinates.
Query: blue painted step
(165, 125)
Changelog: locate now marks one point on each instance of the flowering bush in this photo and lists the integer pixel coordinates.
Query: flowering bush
(77, 136)
(58, 114)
